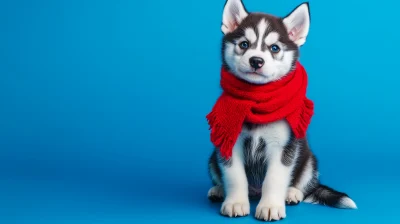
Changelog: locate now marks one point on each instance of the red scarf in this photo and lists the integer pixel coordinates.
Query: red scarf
(259, 104)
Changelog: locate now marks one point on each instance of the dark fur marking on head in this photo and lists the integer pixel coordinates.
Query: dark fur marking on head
(275, 24)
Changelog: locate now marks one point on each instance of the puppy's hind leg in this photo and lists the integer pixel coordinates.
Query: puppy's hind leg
(305, 175)
(216, 193)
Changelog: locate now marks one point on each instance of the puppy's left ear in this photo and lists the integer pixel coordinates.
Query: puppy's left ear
(298, 23)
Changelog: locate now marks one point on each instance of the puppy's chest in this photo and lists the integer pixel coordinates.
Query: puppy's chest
(258, 142)
(275, 134)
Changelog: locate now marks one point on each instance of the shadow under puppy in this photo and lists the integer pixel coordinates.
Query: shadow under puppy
(259, 123)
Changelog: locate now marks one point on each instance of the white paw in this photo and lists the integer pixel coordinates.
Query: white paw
(234, 208)
(216, 193)
(294, 195)
(270, 212)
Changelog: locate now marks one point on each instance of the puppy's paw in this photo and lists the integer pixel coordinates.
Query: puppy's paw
(235, 208)
(294, 196)
(216, 194)
(270, 211)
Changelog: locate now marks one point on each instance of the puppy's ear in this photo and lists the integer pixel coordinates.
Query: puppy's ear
(298, 23)
(233, 15)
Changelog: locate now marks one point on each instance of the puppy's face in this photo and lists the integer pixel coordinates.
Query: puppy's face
(260, 48)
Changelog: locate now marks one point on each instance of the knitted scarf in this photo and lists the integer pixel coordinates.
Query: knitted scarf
(259, 104)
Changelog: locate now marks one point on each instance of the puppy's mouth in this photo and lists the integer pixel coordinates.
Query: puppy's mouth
(252, 73)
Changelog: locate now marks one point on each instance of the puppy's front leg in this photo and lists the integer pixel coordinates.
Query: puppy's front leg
(236, 202)
(274, 188)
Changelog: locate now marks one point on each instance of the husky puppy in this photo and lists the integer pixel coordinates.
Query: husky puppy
(267, 161)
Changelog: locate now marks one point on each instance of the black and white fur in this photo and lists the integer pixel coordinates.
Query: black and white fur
(267, 160)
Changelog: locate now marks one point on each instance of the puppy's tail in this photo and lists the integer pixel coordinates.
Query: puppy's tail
(327, 196)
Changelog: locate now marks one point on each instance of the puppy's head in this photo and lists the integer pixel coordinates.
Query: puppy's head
(260, 48)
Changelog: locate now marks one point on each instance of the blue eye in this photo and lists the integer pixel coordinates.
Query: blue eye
(275, 48)
(244, 45)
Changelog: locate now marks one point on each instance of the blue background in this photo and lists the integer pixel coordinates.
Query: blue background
(103, 105)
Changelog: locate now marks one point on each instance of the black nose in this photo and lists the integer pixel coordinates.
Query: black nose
(256, 62)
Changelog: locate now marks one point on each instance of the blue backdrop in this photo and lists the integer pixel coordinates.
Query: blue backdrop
(103, 106)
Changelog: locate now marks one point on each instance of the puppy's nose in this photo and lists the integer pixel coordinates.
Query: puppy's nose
(256, 62)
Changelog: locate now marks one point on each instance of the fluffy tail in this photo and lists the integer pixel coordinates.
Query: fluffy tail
(327, 196)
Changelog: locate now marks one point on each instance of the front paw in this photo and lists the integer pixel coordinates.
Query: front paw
(270, 211)
(235, 208)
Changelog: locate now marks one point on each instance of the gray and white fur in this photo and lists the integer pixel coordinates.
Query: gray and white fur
(267, 160)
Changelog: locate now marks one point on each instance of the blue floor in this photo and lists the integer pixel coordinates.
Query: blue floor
(70, 193)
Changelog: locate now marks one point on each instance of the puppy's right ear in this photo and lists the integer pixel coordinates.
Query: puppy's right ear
(234, 13)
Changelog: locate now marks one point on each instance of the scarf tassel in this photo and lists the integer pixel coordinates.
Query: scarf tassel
(304, 119)
(242, 102)
(220, 136)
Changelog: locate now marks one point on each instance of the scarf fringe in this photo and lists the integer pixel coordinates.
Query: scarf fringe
(243, 102)
(304, 119)
(220, 136)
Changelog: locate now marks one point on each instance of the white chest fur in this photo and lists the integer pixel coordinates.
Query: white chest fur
(274, 134)
(275, 181)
